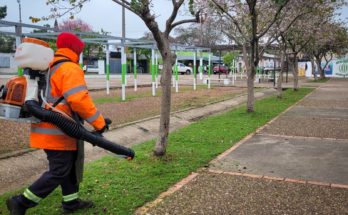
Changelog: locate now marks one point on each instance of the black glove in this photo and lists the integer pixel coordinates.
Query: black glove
(106, 127)
(107, 123)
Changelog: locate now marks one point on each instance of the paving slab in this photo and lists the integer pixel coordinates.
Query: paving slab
(312, 159)
(225, 194)
(311, 126)
(327, 113)
(332, 103)
(12, 169)
(330, 96)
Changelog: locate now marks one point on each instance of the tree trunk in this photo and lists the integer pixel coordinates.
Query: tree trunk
(295, 72)
(250, 82)
(321, 69)
(254, 57)
(245, 57)
(280, 79)
(313, 68)
(161, 144)
(250, 77)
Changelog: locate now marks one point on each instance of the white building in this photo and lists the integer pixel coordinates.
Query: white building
(7, 63)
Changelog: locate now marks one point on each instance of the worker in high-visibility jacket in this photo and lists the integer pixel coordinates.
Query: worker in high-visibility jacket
(67, 88)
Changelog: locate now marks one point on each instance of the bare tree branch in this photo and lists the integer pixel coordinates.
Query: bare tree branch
(170, 20)
(275, 18)
(185, 21)
(127, 5)
(231, 36)
(269, 41)
(234, 21)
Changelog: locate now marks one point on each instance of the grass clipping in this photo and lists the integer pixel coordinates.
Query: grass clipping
(120, 187)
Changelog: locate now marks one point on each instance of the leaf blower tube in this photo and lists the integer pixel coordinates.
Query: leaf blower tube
(75, 130)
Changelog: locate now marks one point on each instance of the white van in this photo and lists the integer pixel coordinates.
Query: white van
(183, 69)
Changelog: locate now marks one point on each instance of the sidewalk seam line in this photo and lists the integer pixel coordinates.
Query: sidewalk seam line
(299, 137)
(289, 180)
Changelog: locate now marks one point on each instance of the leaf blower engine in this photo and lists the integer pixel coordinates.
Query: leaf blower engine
(22, 100)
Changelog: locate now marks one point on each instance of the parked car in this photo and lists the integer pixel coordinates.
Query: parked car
(183, 69)
(220, 69)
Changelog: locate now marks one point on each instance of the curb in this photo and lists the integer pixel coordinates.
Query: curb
(16, 153)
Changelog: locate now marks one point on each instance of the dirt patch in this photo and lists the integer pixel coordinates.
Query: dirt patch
(140, 105)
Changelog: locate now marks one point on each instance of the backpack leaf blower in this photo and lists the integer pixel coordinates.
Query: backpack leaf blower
(20, 98)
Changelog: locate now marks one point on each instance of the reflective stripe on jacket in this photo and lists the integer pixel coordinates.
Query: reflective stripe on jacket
(67, 80)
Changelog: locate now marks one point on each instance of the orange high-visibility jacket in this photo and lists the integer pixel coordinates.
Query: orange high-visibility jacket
(65, 79)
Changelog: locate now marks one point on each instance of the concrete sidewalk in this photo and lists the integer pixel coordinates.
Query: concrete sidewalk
(296, 164)
(19, 171)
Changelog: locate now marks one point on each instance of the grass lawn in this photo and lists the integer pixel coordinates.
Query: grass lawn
(120, 187)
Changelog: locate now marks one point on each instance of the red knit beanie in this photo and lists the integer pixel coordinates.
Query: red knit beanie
(70, 41)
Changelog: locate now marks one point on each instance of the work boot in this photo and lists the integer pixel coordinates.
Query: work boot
(15, 207)
(74, 205)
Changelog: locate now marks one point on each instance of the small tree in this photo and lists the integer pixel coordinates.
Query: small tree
(142, 8)
(6, 42)
(75, 25)
(250, 23)
(332, 39)
(205, 34)
(229, 57)
(3, 12)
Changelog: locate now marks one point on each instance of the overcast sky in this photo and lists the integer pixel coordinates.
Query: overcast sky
(100, 14)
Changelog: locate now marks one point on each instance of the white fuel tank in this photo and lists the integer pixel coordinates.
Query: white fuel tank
(34, 54)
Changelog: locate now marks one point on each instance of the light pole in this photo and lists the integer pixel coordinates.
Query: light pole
(123, 25)
(20, 10)
(123, 56)
(18, 29)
